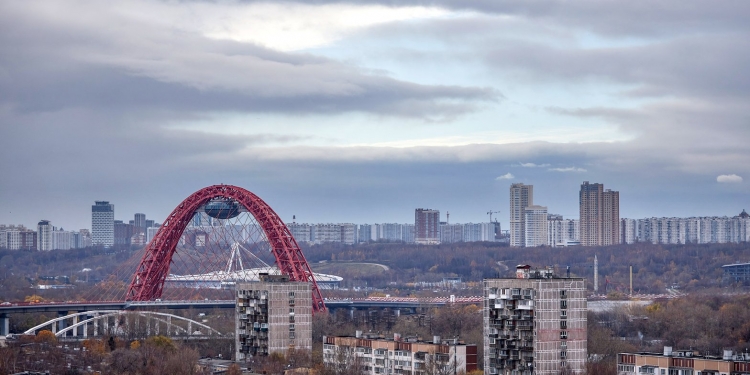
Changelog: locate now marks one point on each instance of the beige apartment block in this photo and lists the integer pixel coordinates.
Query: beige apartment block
(683, 362)
(272, 315)
(534, 324)
(374, 354)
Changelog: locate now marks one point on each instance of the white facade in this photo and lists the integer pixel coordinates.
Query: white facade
(628, 231)
(372, 354)
(535, 225)
(62, 240)
(103, 223)
(562, 232)
(674, 230)
(44, 235)
(521, 196)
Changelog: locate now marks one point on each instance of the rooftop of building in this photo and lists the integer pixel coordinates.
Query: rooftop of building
(728, 355)
(525, 271)
(436, 340)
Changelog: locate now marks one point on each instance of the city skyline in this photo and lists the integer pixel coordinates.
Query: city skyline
(362, 111)
(502, 219)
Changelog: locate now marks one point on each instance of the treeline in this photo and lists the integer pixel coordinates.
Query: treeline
(708, 323)
(689, 267)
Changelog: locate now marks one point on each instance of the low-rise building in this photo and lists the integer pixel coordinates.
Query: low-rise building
(374, 354)
(682, 362)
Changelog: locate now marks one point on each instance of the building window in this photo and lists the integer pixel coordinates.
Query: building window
(563, 304)
(563, 355)
(563, 324)
(291, 335)
(564, 314)
(563, 294)
(563, 335)
(291, 294)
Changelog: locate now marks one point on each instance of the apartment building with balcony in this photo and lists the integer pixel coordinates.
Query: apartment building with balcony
(534, 324)
(272, 315)
(374, 354)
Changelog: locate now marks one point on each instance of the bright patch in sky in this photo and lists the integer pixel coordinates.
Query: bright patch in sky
(292, 27)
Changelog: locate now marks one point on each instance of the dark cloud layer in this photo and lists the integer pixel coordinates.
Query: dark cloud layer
(53, 64)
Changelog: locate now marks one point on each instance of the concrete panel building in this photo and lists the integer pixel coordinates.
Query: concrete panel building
(521, 196)
(103, 224)
(683, 362)
(44, 235)
(426, 226)
(599, 215)
(374, 354)
(272, 315)
(535, 226)
(534, 324)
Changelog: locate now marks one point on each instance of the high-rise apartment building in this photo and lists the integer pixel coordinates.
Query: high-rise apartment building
(272, 315)
(534, 324)
(628, 231)
(17, 237)
(535, 226)
(521, 196)
(562, 232)
(44, 235)
(103, 224)
(599, 215)
(426, 226)
(139, 222)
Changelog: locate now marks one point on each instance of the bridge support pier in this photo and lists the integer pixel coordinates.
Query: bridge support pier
(96, 326)
(4, 324)
(62, 323)
(75, 329)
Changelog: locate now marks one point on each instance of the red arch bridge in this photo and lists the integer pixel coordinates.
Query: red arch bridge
(198, 218)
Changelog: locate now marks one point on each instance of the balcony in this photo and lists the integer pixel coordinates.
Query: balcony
(526, 305)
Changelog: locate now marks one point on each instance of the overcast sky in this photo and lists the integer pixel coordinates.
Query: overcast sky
(362, 111)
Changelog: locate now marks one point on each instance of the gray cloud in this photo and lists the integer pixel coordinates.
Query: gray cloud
(609, 18)
(79, 59)
(85, 104)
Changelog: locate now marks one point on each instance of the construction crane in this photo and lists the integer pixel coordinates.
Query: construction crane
(492, 212)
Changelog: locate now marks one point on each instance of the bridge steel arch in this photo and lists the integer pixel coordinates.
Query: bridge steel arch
(148, 281)
(105, 314)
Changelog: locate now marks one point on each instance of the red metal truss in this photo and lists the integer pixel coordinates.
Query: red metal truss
(148, 281)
